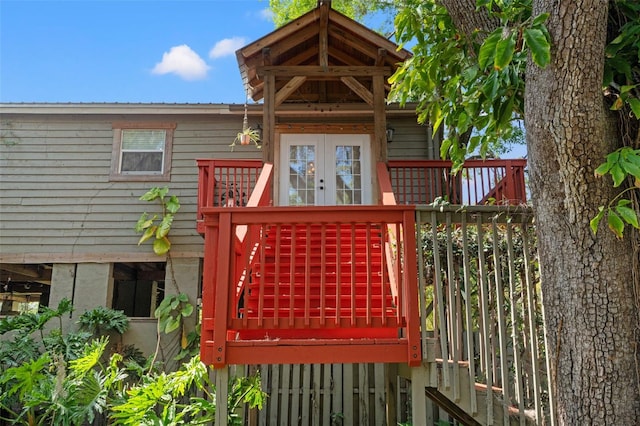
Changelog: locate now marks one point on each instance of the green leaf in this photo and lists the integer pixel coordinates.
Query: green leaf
(172, 324)
(187, 310)
(593, 223)
(150, 195)
(628, 215)
(631, 168)
(603, 169)
(618, 174)
(540, 19)
(165, 226)
(488, 49)
(615, 224)
(504, 51)
(161, 246)
(140, 225)
(634, 104)
(538, 45)
(491, 85)
(628, 88)
(172, 205)
(147, 234)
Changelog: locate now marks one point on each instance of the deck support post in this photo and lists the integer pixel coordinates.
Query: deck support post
(222, 395)
(419, 381)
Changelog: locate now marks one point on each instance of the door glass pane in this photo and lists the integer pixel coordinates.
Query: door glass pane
(302, 175)
(348, 174)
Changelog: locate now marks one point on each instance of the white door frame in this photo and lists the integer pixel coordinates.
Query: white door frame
(324, 150)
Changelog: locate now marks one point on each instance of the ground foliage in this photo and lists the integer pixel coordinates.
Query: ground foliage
(49, 375)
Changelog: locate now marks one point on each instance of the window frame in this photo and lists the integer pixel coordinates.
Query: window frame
(118, 127)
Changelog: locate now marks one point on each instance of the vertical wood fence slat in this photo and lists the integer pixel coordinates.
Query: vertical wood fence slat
(533, 340)
(438, 295)
(347, 375)
(485, 321)
(515, 325)
(469, 326)
(502, 327)
(337, 390)
(315, 395)
(274, 398)
(266, 374)
(363, 394)
(379, 393)
(453, 313)
(284, 394)
(295, 394)
(306, 395)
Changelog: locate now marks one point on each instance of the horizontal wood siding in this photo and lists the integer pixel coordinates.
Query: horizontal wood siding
(410, 140)
(57, 201)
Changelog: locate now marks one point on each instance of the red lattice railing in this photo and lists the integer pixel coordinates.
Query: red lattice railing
(479, 182)
(309, 284)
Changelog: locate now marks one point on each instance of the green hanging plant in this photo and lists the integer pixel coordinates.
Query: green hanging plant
(247, 135)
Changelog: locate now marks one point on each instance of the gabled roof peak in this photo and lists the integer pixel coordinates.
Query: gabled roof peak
(322, 37)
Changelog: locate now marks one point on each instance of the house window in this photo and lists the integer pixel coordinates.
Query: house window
(142, 151)
(138, 288)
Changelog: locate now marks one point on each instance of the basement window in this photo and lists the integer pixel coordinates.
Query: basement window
(24, 288)
(138, 288)
(142, 151)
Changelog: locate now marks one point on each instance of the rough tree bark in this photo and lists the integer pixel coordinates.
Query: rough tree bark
(468, 20)
(588, 284)
(587, 281)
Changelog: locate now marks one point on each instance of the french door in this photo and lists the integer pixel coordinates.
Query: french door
(324, 169)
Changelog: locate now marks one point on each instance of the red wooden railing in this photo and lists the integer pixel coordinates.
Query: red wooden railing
(225, 183)
(478, 183)
(307, 284)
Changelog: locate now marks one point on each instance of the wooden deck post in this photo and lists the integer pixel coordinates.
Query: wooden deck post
(222, 395)
(419, 381)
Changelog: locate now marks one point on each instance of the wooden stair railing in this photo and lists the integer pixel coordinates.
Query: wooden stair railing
(226, 183)
(316, 287)
(477, 271)
(422, 182)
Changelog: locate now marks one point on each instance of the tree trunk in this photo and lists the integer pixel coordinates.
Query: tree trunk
(469, 20)
(587, 280)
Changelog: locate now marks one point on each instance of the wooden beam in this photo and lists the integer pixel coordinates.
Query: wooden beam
(291, 86)
(382, 56)
(269, 118)
(359, 89)
(285, 32)
(379, 119)
(315, 72)
(30, 271)
(323, 35)
(371, 37)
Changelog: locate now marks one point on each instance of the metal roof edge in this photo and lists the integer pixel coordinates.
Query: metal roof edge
(155, 108)
(114, 108)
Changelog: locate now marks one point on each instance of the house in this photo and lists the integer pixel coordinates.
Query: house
(317, 251)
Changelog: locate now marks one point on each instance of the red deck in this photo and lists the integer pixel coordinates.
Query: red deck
(319, 284)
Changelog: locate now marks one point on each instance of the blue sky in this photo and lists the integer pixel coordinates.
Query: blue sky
(126, 51)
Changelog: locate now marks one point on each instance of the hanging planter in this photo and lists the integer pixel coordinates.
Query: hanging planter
(247, 135)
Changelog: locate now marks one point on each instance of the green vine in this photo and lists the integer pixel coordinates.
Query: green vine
(157, 228)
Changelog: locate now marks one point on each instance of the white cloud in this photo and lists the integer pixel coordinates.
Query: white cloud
(182, 61)
(226, 47)
(266, 14)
